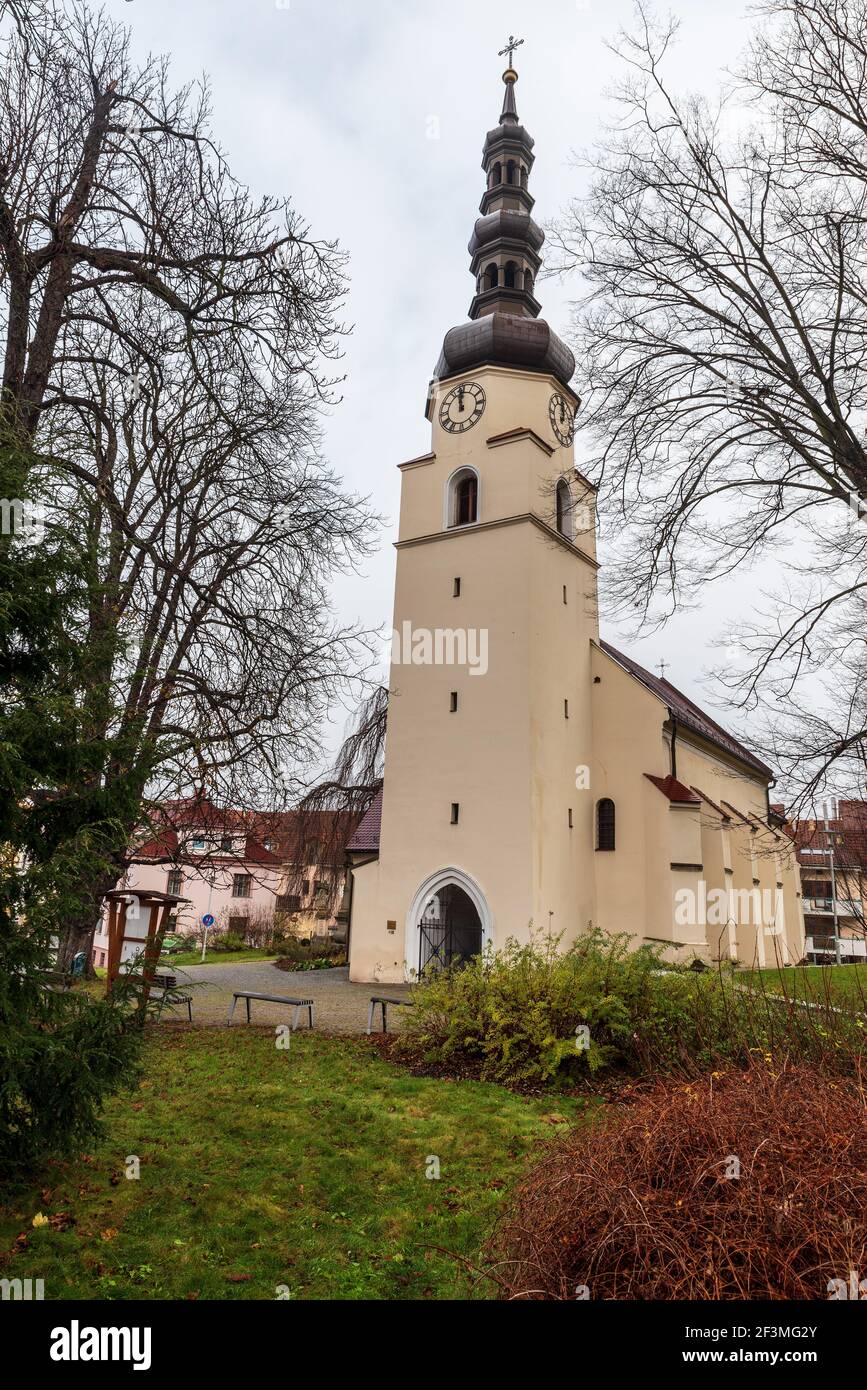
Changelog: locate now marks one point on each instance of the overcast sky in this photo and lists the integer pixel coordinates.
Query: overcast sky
(371, 116)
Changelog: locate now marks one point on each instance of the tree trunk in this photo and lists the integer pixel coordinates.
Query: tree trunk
(77, 931)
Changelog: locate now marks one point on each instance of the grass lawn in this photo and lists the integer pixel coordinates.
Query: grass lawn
(216, 957)
(839, 984)
(263, 1168)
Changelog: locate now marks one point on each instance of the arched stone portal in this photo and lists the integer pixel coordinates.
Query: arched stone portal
(448, 922)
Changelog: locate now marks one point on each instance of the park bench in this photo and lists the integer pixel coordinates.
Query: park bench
(297, 1004)
(383, 1000)
(164, 989)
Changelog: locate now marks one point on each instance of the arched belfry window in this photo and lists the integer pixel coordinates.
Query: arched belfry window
(497, 173)
(510, 171)
(510, 276)
(564, 509)
(605, 823)
(462, 503)
(492, 276)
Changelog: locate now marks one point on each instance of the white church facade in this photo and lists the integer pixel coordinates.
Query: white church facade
(536, 779)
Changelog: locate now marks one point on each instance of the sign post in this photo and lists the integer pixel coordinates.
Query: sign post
(207, 922)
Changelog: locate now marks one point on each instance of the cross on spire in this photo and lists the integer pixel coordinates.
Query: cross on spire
(510, 47)
(663, 667)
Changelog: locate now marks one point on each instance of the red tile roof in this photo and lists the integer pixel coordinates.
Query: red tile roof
(366, 836)
(674, 790)
(848, 831)
(687, 713)
(175, 823)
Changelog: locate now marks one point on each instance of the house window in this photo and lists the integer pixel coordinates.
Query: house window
(453, 701)
(197, 843)
(238, 926)
(463, 501)
(227, 844)
(565, 709)
(173, 884)
(241, 885)
(456, 591)
(288, 902)
(605, 823)
(456, 811)
(570, 817)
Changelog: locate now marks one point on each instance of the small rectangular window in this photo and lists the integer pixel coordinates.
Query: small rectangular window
(564, 594)
(241, 884)
(456, 811)
(173, 887)
(570, 817)
(457, 588)
(565, 709)
(453, 701)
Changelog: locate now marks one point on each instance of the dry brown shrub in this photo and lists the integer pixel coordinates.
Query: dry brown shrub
(638, 1205)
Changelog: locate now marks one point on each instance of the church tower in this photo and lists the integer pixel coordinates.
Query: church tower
(485, 827)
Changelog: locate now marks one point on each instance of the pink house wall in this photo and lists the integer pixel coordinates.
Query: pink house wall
(209, 890)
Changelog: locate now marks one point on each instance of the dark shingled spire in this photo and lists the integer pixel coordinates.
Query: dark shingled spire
(505, 248)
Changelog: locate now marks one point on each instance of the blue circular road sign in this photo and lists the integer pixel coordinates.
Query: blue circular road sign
(207, 920)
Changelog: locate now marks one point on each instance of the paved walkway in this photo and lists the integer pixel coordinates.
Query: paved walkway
(339, 1007)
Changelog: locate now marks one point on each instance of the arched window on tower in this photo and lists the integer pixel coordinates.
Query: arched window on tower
(463, 500)
(510, 277)
(564, 509)
(496, 174)
(510, 171)
(492, 276)
(523, 177)
(528, 281)
(605, 823)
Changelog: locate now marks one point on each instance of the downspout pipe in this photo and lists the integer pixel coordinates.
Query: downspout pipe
(673, 717)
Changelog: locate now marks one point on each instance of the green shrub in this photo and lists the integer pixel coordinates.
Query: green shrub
(228, 942)
(533, 1013)
(312, 955)
(62, 1053)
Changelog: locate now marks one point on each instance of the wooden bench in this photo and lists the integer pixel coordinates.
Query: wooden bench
(164, 991)
(297, 1004)
(167, 994)
(383, 1000)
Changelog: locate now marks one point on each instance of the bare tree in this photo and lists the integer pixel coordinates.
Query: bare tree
(330, 810)
(112, 195)
(169, 343)
(723, 325)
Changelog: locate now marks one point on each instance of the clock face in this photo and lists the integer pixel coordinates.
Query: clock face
(463, 407)
(562, 418)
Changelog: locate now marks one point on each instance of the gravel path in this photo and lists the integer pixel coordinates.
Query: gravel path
(340, 1007)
